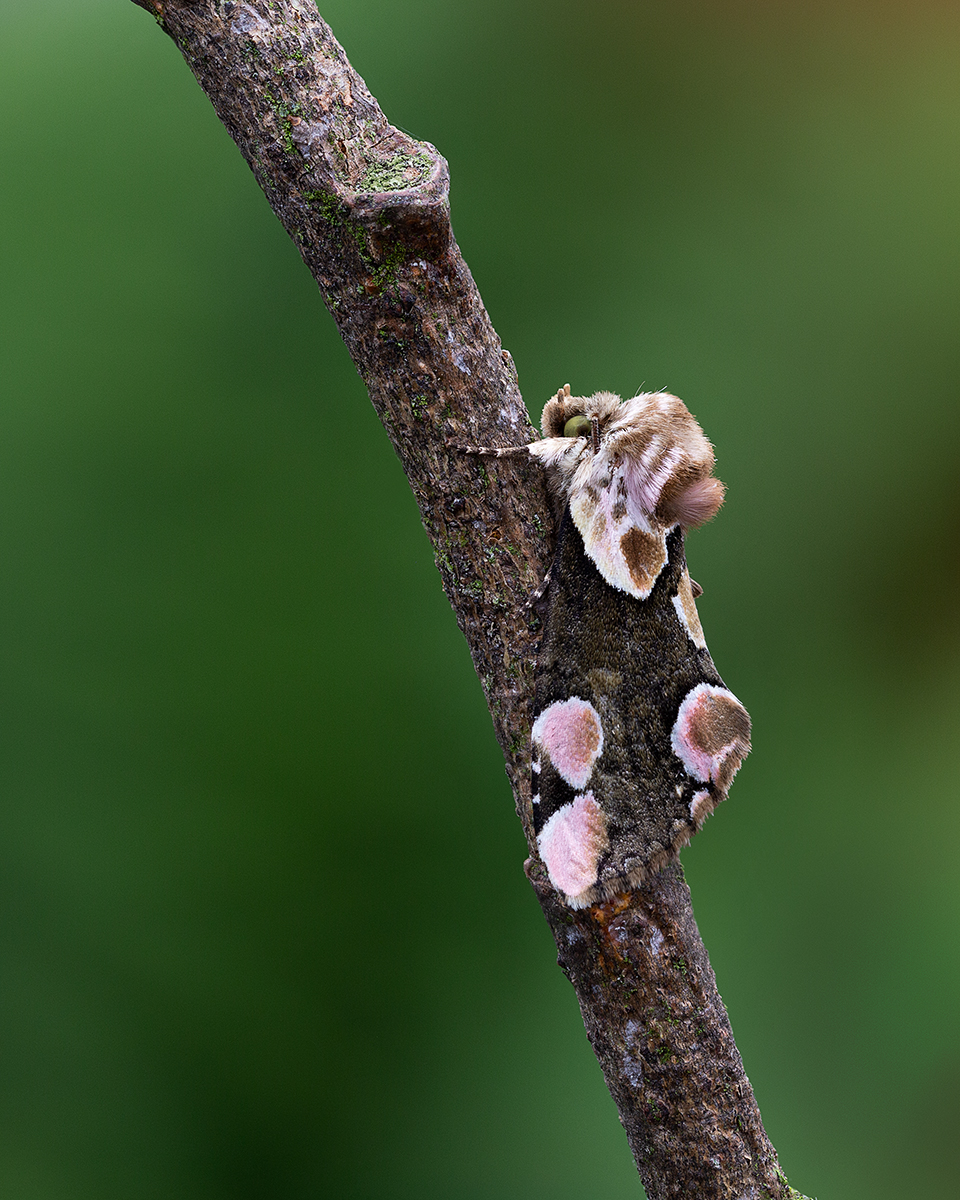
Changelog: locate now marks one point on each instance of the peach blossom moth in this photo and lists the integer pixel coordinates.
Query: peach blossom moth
(635, 737)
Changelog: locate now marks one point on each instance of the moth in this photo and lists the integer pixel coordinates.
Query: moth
(635, 737)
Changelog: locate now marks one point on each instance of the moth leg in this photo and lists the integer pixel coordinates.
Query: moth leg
(695, 588)
(490, 451)
(535, 600)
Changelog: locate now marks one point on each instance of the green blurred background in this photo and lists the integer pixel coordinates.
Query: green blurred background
(264, 927)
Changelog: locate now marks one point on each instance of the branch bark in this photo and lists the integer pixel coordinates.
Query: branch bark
(367, 206)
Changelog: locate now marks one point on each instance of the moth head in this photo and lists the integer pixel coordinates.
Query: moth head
(567, 416)
(666, 459)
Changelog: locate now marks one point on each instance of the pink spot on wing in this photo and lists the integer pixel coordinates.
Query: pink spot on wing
(572, 736)
(711, 735)
(571, 844)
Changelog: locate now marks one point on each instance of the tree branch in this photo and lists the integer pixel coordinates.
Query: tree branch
(367, 206)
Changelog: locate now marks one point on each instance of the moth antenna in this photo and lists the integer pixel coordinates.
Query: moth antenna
(595, 433)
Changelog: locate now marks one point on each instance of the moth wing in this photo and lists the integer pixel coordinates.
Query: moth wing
(628, 549)
(636, 739)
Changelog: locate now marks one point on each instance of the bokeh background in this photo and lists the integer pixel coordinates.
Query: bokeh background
(263, 926)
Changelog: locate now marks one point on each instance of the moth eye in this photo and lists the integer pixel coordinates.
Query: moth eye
(578, 426)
